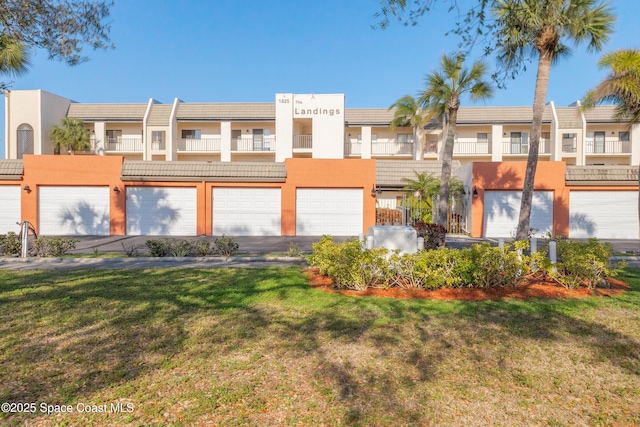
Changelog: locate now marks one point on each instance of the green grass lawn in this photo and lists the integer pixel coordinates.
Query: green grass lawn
(260, 347)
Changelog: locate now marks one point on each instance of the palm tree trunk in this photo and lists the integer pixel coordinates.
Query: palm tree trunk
(542, 84)
(445, 175)
(418, 136)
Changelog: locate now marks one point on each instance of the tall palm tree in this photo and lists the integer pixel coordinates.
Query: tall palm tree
(70, 133)
(407, 113)
(14, 57)
(621, 86)
(528, 29)
(441, 95)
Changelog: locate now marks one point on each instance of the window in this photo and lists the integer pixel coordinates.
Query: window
(598, 142)
(483, 138)
(405, 138)
(568, 142)
(114, 136)
(545, 135)
(24, 140)
(623, 136)
(519, 142)
(374, 137)
(157, 139)
(191, 134)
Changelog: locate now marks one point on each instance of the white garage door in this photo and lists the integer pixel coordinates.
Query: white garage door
(603, 214)
(158, 211)
(10, 212)
(502, 210)
(72, 211)
(336, 212)
(247, 211)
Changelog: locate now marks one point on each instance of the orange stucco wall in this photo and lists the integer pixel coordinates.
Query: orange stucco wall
(327, 173)
(80, 170)
(510, 176)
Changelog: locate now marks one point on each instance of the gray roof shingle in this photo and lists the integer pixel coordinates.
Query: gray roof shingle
(11, 169)
(198, 171)
(105, 112)
(389, 173)
(590, 175)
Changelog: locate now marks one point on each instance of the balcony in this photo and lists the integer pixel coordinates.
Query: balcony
(607, 146)
(515, 147)
(158, 145)
(199, 145)
(463, 147)
(124, 144)
(391, 148)
(251, 143)
(304, 142)
(353, 149)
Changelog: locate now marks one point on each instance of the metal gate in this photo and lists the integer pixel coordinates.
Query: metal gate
(413, 209)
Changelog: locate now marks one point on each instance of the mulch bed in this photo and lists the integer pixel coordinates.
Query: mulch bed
(531, 287)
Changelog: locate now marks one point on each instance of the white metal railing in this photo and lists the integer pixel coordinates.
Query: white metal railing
(352, 148)
(569, 145)
(124, 144)
(302, 141)
(203, 144)
(158, 145)
(391, 148)
(253, 143)
(472, 146)
(607, 146)
(514, 147)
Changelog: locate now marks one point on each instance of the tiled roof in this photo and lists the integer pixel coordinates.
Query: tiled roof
(498, 115)
(588, 175)
(389, 173)
(160, 115)
(601, 114)
(227, 111)
(198, 171)
(99, 112)
(569, 118)
(11, 169)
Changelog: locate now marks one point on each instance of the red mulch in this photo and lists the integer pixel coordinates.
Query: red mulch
(531, 287)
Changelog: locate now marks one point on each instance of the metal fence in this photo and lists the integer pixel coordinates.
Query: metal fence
(413, 209)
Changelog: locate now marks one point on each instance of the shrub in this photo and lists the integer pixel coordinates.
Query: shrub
(53, 246)
(180, 248)
(201, 248)
(434, 234)
(159, 248)
(130, 249)
(10, 244)
(294, 250)
(583, 263)
(225, 246)
(496, 266)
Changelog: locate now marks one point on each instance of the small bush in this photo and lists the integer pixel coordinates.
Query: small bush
(496, 267)
(159, 248)
(434, 234)
(10, 244)
(53, 246)
(583, 263)
(225, 246)
(201, 248)
(130, 249)
(294, 250)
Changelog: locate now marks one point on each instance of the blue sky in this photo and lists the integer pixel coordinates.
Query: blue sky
(247, 51)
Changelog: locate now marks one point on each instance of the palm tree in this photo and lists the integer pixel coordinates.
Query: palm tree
(408, 113)
(527, 29)
(424, 187)
(442, 96)
(14, 57)
(72, 134)
(621, 86)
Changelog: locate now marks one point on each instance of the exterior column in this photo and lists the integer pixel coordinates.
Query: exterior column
(496, 143)
(284, 126)
(365, 148)
(225, 141)
(100, 136)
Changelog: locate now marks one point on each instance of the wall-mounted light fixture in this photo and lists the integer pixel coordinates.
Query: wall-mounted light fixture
(116, 189)
(27, 189)
(375, 191)
(475, 192)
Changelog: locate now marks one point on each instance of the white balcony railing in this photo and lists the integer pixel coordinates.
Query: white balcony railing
(514, 147)
(302, 142)
(353, 149)
(124, 144)
(607, 146)
(158, 145)
(467, 146)
(202, 145)
(391, 148)
(253, 143)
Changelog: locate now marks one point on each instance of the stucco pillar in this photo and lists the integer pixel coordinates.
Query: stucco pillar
(635, 145)
(225, 141)
(496, 143)
(366, 142)
(100, 136)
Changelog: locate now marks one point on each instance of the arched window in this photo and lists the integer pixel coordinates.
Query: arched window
(24, 140)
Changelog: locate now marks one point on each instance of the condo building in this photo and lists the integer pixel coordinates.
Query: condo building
(306, 165)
